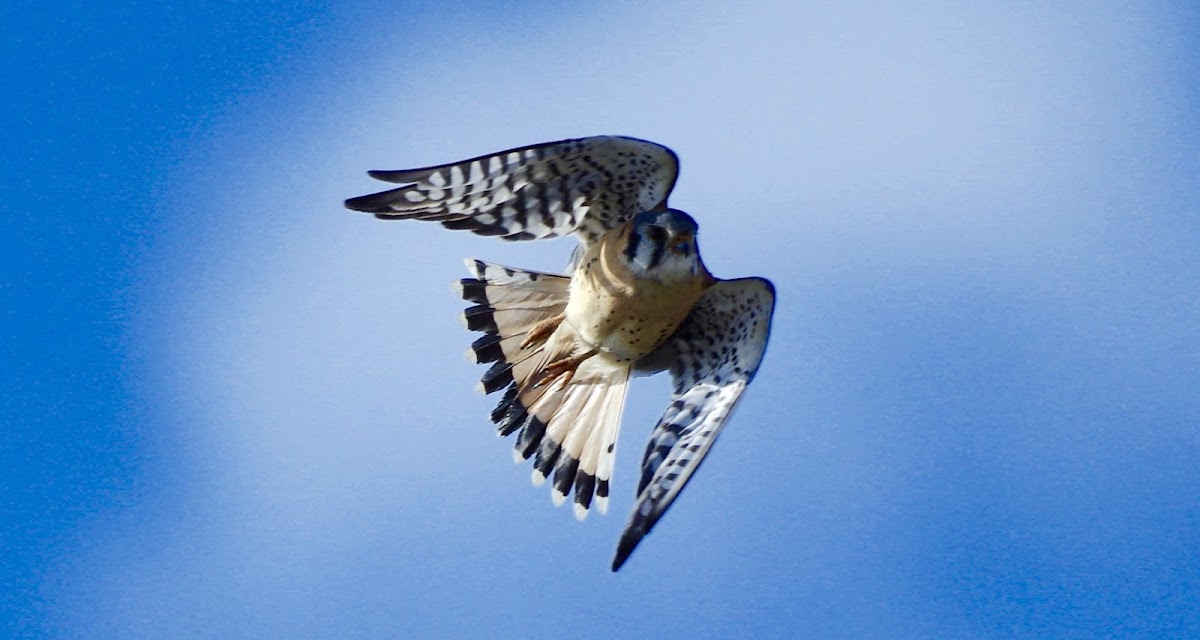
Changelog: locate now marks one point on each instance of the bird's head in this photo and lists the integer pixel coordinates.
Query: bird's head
(662, 245)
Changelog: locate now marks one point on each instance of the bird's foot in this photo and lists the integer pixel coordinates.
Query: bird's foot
(564, 369)
(542, 330)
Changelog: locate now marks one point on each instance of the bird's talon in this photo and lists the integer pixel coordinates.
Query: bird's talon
(563, 369)
(542, 330)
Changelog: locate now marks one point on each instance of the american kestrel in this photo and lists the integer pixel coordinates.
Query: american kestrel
(637, 299)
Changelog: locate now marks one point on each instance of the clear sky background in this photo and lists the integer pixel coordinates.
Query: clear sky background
(233, 409)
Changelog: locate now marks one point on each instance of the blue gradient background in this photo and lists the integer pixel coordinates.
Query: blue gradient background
(233, 409)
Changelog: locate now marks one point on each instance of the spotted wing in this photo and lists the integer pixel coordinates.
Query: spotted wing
(713, 356)
(584, 186)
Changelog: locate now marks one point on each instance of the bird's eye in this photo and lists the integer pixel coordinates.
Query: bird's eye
(657, 235)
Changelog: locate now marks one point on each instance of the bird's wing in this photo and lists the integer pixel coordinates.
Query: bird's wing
(713, 355)
(584, 186)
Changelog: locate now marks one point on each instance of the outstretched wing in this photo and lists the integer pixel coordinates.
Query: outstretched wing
(584, 186)
(713, 355)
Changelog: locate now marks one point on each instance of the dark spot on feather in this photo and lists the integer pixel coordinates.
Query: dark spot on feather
(531, 437)
(547, 455)
(473, 290)
(487, 348)
(564, 474)
(506, 404)
(497, 377)
(479, 318)
(585, 484)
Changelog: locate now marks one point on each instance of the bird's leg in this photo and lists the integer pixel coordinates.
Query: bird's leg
(542, 330)
(564, 369)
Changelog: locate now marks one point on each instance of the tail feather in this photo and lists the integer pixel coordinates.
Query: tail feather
(568, 429)
(489, 319)
(598, 465)
(505, 371)
(606, 449)
(564, 415)
(571, 431)
(489, 347)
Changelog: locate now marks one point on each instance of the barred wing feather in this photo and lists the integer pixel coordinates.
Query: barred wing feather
(583, 186)
(714, 354)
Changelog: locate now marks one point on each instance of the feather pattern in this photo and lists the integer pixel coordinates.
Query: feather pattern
(584, 186)
(561, 349)
(508, 303)
(714, 354)
(570, 430)
(582, 422)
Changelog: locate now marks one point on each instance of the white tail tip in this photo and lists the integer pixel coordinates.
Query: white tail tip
(475, 268)
(558, 498)
(537, 478)
(580, 512)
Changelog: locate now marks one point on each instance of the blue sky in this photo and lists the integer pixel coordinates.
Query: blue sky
(233, 408)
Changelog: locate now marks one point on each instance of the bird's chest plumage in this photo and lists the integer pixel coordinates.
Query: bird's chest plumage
(623, 316)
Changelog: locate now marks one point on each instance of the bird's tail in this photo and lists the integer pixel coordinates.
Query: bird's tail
(569, 427)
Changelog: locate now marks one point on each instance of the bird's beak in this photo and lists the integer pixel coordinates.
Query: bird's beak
(681, 244)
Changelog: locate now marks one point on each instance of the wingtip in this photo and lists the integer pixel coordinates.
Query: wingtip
(770, 286)
(629, 542)
(364, 204)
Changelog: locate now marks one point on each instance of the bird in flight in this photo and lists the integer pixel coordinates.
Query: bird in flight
(636, 299)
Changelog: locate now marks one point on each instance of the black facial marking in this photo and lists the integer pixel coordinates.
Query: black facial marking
(656, 234)
(656, 256)
(631, 246)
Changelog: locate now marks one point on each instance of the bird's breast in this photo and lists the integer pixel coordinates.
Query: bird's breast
(621, 315)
